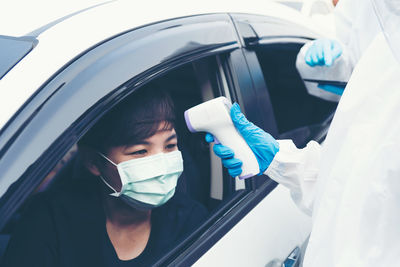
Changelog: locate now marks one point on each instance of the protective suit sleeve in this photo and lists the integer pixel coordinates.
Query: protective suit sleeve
(297, 169)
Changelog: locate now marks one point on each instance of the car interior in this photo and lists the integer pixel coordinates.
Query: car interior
(186, 89)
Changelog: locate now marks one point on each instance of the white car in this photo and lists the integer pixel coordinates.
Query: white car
(58, 79)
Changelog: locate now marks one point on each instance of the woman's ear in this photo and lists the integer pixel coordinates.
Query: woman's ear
(89, 157)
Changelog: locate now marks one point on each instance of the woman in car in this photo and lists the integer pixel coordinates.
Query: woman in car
(122, 210)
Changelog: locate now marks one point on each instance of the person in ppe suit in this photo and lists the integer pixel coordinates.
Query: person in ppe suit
(350, 186)
(333, 58)
(321, 13)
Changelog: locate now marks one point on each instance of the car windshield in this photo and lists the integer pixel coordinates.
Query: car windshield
(13, 50)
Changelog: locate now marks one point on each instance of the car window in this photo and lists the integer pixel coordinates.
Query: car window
(204, 187)
(272, 48)
(298, 115)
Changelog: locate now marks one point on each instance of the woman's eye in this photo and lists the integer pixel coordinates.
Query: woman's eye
(171, 146)
(139, 152)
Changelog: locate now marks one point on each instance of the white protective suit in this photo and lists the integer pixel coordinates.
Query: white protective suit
(355, 26)
(351, 185)
(321, 13)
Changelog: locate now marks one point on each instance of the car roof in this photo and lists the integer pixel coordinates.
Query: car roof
(64, 35)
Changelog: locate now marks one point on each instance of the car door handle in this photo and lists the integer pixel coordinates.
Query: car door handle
(293, 260)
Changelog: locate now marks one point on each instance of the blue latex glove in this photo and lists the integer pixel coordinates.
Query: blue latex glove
(332, 88)
(263, 145)
(323, 52)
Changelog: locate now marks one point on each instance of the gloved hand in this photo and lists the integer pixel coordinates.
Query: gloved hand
(332, 88)
(323, 52)
(263, 145)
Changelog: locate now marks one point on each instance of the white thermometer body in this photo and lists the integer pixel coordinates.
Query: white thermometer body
(214, 117)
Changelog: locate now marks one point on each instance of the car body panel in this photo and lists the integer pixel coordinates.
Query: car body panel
(247, 245)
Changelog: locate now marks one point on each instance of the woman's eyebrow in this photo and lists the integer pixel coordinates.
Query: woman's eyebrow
(142, 142)
(171, 137)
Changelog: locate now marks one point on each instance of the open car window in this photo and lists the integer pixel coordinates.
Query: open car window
(299, 115)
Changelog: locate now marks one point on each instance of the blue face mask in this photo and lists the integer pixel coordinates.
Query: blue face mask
(148, 182)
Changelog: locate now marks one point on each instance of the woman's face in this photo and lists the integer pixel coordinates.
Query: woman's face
(163, 141)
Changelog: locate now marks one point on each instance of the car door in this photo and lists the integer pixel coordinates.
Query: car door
(275, 232)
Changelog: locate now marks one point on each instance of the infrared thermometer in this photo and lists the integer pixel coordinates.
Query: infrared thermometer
(214, 117)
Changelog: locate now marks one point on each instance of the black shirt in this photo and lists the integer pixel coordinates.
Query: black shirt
(67, 227)
(169, 223)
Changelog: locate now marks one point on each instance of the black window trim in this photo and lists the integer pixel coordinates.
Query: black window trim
(250, 37)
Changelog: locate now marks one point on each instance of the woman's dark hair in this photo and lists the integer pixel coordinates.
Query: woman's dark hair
(134, 119)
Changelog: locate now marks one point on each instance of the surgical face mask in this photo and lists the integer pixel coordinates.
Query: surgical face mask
(148, 182)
